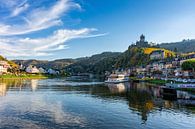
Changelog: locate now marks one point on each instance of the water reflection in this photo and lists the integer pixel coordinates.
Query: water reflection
(3, 89)
(63, 104)
(145, 98)
(117, 88)
(18, 85)
(34, 84)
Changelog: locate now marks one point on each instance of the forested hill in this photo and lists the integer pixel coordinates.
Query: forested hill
(132, 57)
(56, 64)
(183, 46)
(97, 64)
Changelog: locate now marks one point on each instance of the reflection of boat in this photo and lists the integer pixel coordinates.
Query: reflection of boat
(169, 93)
(117, 78)
(117, 88)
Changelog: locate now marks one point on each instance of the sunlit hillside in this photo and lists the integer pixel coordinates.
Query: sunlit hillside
(12, 64)
(150, 50)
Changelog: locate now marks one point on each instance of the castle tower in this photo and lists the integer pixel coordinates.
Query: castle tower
(142, 38)
(142, 42)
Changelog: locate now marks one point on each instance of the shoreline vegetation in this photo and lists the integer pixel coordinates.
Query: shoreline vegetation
(149, 80)
(27, 76)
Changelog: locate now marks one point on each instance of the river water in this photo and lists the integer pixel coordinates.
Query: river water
(58, 103)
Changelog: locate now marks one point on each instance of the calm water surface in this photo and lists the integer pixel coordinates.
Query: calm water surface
(57, 103)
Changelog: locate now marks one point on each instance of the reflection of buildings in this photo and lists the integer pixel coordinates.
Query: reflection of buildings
(4, 66)
(117, 88)
(17, 85)
(34, 84)
(3, 89)
(141, 101)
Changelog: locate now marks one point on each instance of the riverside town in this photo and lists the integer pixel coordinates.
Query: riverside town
(97, 64)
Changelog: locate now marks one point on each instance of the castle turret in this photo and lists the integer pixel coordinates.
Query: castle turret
(142, 42)
(142, 38)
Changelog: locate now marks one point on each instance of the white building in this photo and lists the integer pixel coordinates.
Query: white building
(4, 66)
(157, 54)
(42, 70)
(51, 71)
(32, 69)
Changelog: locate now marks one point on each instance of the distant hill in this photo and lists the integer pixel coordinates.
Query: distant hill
(98, 63)
(94, 64)
(183, 46)
(56, 64)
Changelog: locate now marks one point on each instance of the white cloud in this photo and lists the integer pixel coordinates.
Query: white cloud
(38, 19)
(19, 9)
(14, 47)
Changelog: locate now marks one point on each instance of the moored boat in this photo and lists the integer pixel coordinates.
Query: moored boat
(117, 78)
(181, 85)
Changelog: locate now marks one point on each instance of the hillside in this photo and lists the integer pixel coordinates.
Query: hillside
(150, 50)
(99, 63)
(132, 57)
(56, 64)
(95, 64)
(11, 63)
(183, 46)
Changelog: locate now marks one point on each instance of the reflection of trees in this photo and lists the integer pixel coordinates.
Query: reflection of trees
(16, 84)
(141, 101)
(139, 96)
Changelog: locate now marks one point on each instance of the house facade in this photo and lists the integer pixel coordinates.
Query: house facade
(4, 66)
(157, 55)
(32, 69)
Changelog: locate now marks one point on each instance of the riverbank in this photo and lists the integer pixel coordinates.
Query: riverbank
(149, 80)
(157, 82)
(25, 76)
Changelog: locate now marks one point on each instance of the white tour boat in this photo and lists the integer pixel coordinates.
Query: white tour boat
(117, 78)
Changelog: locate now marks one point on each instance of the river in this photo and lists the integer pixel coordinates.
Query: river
(59, 103)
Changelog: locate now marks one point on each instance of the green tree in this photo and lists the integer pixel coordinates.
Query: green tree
(189, 65)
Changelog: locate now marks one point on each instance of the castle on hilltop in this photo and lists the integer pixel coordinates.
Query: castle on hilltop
(142, 42)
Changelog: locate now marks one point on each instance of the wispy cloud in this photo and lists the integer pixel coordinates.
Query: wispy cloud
(19, 9)
(37, 19)
(11, 47)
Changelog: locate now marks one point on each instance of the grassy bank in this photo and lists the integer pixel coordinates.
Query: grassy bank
(25, 76)
(149, 80)
(157, 81)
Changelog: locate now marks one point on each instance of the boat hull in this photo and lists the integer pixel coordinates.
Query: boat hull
(117, 81)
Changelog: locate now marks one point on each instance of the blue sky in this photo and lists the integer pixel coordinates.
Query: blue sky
(53, 29)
